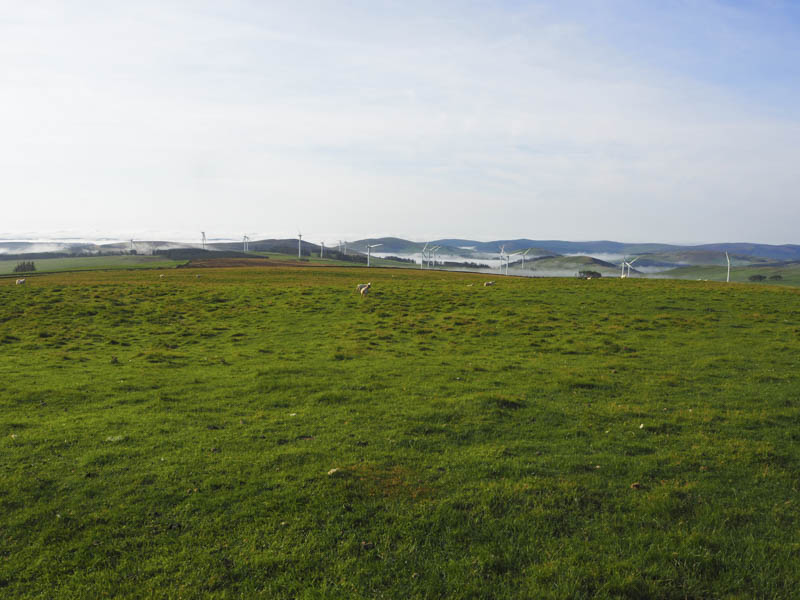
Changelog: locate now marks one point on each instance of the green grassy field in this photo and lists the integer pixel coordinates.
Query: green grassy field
(790, 274)
(89, 263)
(97, 263)
(269, 433)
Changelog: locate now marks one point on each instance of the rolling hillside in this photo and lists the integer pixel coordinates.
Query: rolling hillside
(788, 273)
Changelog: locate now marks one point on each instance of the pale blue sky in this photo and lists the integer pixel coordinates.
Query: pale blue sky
(636, 121)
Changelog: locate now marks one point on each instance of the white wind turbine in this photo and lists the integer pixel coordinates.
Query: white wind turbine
(503, 256)
(299, 245)
(245, 243)
(422, 261)
(369, 250)
(204, 239)
(322, 249)
(728, 258)
(523, 256)
(628, 264)
(433, 251)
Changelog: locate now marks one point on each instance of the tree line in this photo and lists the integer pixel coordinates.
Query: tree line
(25, 266)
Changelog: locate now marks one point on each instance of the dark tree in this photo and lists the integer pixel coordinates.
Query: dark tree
(775, 278)
(26, 266)
(756, 278)
(589, 274)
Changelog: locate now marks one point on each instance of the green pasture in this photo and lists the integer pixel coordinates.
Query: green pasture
(96, 263)
(315, 259)
(790, 274)
(268, 433)
(89, 263)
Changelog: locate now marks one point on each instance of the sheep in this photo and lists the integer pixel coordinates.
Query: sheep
(362, 286)
(20, 281)
(488, 283)
(365, 290)
(161, 276)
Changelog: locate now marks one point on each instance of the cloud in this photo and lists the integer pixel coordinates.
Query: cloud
(480, 120)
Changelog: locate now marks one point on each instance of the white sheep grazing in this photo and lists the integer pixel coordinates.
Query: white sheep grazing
(161, 276)
(365, 290)
(362, 286)
(20, 281)
(488, 283)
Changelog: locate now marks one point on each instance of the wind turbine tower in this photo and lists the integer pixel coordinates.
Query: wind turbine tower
(369, 250)
(433, 253)
(728, 258)
(299, 245)
(520, 252)
(204, 239)
(503, 257)
(628, 264)
(322, 250)
(245, 243)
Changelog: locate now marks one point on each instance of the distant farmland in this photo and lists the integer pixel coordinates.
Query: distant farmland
(267, 432)
(88, 263)
(789, 274)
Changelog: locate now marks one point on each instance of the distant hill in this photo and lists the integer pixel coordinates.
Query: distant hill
(557, 246)
(388, 244)
(776, 273)
(651, 256)
(399, 246)
(679, 258)
(569, 265)
(284, 246)
(783, 252)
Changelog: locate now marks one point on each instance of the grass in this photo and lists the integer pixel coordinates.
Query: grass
(89, 263)
(94, 263)
(790, 274)
(268, 433)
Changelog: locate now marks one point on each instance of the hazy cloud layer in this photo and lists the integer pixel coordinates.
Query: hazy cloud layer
(577, 120)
